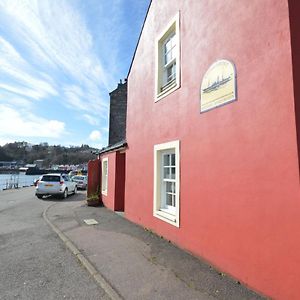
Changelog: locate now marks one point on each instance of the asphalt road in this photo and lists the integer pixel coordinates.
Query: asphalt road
(34, 262)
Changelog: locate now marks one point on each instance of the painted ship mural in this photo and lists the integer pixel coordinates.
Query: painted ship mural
(216, 84)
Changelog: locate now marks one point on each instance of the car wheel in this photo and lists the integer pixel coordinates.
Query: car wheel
(65, 194)
(75, 190)
(40, 196)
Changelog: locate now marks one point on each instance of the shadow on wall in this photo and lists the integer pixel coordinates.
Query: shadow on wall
(294, 8)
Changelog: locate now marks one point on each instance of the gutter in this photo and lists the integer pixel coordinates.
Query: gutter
(114, 147)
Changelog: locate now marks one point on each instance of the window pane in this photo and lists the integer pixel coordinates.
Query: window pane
(166, 159)
(166, 173)
(171, 72)
(168, 46)
(173, 187)
(173, 40)
(169, 200)
(104, 175)
(168, 57)
(173, 159)
(173, 170)
(169, 187)
(50, 178)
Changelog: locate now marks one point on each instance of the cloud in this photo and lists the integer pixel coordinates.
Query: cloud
(74, 97)
(15, 100)
(4, 141)
(22, 91)
(95, 135)
(85, 99)
(91, 120)
(57, 51)
(55, 38)
(15, 123)
(16, 70)
(57, 35)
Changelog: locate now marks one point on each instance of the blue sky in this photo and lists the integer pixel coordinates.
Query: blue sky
(59, 59)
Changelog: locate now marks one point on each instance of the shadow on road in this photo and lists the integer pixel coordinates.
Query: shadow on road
(80, 196)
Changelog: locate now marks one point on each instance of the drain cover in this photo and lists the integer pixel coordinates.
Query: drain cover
(90, 221)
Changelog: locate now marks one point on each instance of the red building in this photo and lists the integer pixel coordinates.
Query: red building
(212, 162)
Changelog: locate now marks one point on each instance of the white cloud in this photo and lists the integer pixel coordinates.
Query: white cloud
(15, 123)
(95, 135)
(56, 40)
(74, 97)
(88, 100)
(48, 52)
(14, 68)
(90, 119)
(4, 141)
(57, 35)
(22, 91)
(16, 101)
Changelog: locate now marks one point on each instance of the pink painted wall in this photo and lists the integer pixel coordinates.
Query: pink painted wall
(239, 192)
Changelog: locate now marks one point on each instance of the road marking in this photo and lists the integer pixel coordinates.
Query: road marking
(90, 222)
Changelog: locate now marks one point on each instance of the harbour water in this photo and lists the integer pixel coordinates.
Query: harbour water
(16, 180)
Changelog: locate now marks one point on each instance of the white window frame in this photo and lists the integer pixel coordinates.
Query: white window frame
(104, 177)
(173, 28)
(159, 209)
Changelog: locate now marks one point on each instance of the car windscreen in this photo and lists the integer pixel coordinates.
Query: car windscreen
(78, 178)
(51, 178)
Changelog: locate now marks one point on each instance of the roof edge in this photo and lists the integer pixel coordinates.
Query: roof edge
(137, 44)
(116, 146)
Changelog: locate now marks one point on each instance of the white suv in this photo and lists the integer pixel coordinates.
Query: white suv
(55, 184)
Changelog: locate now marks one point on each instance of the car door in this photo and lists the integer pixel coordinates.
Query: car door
(72, 184)
(69, 184)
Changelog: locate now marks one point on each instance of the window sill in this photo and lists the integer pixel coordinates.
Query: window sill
(167, 217)
(167, 91)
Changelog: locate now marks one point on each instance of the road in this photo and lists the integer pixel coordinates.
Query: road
(34, 262)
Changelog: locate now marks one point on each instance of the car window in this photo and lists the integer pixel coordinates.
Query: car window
(78, 177)
(66, 178)
(51, 178)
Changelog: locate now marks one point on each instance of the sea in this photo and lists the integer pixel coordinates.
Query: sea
(16, 180)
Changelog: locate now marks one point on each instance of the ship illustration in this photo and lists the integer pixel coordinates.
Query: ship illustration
(216, 84)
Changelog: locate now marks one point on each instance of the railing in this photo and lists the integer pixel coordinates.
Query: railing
(14, 183)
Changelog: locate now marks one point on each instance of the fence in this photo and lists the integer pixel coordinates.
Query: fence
(14, 182)
(93, 177)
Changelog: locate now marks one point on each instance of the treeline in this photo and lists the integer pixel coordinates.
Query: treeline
(25, 153)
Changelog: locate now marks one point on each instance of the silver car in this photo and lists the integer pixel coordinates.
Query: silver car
(55, 184)
(81, 181)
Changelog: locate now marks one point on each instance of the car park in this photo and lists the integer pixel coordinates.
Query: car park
(81, 181)
(55, 184)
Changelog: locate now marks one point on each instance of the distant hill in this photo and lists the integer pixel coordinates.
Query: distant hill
(28, 153)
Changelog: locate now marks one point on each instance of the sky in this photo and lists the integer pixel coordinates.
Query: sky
(59, 59)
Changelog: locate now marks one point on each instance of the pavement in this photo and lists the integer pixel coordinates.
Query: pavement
(129, 262)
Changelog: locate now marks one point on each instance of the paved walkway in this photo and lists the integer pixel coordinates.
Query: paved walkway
(136, 263)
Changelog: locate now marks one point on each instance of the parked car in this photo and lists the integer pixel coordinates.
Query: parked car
(35, 181)
(55, 184)
(81, 181)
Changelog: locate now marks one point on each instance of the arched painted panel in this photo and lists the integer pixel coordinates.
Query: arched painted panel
(218, 85)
